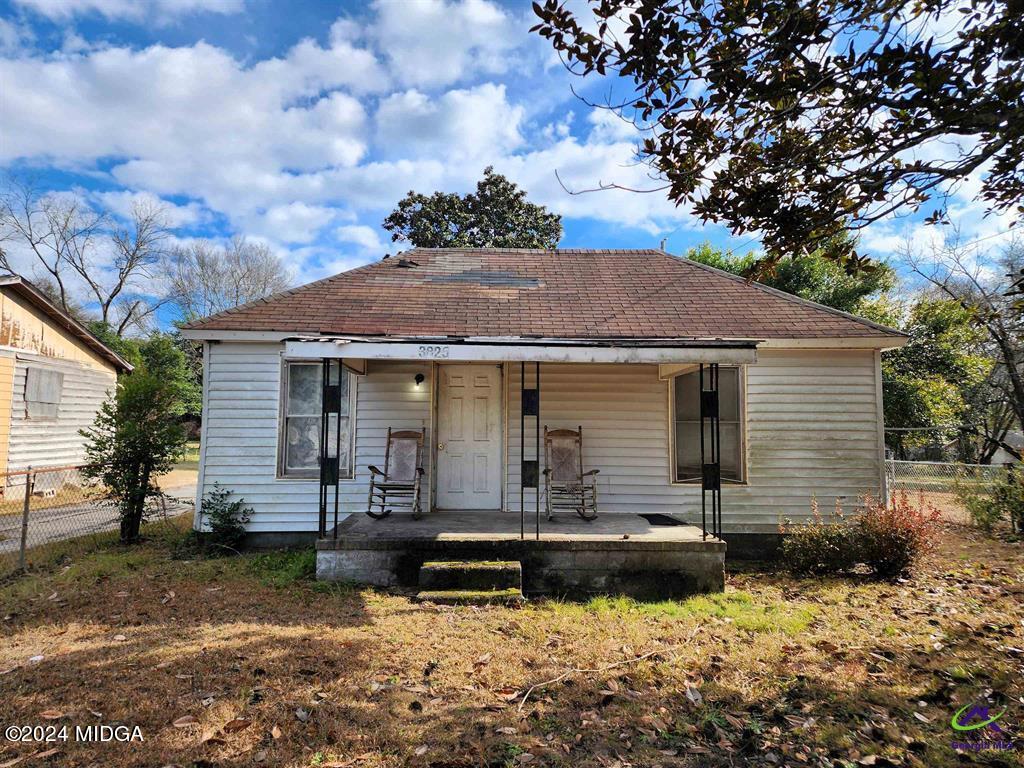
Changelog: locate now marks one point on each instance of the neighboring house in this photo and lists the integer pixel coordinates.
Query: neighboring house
(439, 339)
(54, 375)
(1013, 438)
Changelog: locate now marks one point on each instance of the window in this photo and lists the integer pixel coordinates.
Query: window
(686, 425)
(42, 393)
(300, 420)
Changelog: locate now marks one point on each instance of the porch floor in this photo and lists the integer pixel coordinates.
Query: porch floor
(616, 553)
(492, 525)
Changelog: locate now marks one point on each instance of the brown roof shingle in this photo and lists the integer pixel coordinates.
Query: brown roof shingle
(566, 293)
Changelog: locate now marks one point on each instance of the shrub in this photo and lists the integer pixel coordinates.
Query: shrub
(888, 539)
(225, 519)
(988, 505)
(821, 546)
(134, 439)
(892, 537)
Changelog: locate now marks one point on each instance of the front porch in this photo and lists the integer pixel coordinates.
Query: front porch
(644, 557)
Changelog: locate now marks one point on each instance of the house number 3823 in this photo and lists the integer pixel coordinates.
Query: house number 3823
(434, 351)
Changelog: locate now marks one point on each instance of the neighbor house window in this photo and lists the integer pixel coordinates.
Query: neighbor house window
(42, 393)
(686, 425)
(300, 420)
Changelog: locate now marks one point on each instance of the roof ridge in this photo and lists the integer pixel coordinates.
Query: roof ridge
(788, 296)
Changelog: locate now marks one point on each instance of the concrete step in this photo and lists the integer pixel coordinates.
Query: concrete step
(510, 596)
(471, 575)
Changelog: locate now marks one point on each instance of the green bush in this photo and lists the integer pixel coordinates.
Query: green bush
(821, 546)
(888, 539)
(223, 521)
(988, 505)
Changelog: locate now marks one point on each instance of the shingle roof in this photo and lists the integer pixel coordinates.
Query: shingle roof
(565, 293)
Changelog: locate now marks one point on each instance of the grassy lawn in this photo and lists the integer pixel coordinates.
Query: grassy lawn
(247, 661)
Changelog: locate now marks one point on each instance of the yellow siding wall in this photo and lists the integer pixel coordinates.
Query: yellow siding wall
(6, 391)
(24, 327)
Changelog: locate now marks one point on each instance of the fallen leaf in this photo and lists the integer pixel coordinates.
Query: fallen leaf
(260, 756)
(694, 696)
(238, 724)
(275, 732)
(421, 750)
(302, 714)
(36, 659)
(120, 638)
(164, 664)
(185, 721)
(46, 754)
(51, 714)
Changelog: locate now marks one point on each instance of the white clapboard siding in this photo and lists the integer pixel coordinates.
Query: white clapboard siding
(240, 432)
(812, 430)
(55, 442)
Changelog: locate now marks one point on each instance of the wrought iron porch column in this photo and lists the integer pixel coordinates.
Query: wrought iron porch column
(529, 472)
(329, 465)
(710, 451)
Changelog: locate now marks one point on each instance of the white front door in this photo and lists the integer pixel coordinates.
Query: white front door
(469, 437)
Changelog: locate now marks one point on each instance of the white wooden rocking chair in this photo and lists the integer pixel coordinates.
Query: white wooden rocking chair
(566, 485)
(398, 485)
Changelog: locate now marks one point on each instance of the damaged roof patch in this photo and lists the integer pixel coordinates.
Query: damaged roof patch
(487, 277)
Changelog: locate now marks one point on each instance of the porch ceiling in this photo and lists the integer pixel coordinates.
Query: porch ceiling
(514, 349)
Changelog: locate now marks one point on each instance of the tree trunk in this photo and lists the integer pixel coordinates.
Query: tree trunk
(131, 520)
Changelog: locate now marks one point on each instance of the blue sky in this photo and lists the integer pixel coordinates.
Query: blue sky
(302, 124)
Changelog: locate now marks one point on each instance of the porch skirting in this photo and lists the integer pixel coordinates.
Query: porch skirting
(618, 554)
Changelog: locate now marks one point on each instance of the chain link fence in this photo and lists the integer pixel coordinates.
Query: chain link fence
(48, 511)
(938, 481)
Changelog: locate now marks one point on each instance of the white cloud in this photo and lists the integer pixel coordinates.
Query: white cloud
(366, 238)
(13, 35)
(460, 123)
(133, 10)
(121, 203)
(433, 42)
(292, 223)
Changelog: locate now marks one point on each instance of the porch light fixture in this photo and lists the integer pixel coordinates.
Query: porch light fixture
(418, 379)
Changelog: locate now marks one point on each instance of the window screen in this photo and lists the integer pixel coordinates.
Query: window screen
(300, 429)
(686, 425)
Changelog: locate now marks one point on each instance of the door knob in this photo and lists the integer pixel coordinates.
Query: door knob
(440, 446)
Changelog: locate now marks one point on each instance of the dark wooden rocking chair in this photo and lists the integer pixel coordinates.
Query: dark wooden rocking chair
(398, 485)
(566, 485)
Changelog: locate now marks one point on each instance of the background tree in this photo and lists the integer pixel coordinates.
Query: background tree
(132, 442)
(799, 119)
(114, 262)
(928, 385)
(813, 276)
(205, 278)
(497, 215)
(165, 355)
(960, 273)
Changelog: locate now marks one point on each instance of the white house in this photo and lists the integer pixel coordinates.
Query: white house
(440, 340)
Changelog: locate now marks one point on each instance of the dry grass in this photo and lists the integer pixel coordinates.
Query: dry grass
(775, 671)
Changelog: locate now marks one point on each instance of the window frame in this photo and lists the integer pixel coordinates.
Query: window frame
(283, 473)
(741, 431)
(43, 371)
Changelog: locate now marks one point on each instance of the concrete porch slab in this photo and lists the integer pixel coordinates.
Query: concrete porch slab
(615, 554)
